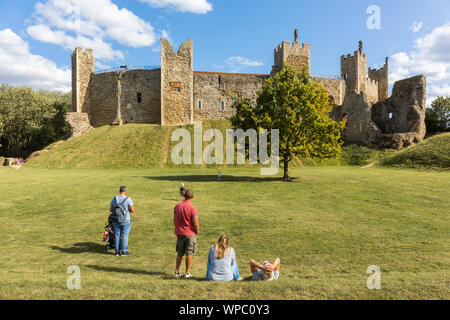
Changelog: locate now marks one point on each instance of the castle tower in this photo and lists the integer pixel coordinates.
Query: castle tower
(382, 76)
(296, 55)
(177, 83)
(83, 66)
(353, 70)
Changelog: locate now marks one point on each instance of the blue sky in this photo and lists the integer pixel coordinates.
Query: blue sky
(37, 37)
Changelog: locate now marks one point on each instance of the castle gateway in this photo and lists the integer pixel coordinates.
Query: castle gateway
(175, 94)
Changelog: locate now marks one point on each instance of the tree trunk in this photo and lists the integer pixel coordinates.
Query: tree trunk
(286, 170)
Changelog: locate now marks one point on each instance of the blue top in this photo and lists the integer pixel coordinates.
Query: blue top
(127, 205)
(221, 269)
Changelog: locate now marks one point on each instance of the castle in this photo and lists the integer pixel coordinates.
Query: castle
(175, 94)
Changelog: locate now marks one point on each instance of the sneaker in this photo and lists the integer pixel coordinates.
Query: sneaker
(126, 254)
(117, 254)
(239, 279)
(176, 275)
(187, 276)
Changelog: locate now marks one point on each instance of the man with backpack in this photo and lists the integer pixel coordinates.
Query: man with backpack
(121, 206)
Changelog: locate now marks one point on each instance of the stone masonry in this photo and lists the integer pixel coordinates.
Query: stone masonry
(175, 94)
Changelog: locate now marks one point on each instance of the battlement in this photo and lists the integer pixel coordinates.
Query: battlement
(296, 54)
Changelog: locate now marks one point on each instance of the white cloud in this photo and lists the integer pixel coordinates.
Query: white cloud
(90, 24)
(237, 63)
(102, 50)
(194, 6)
(19, 67)
(97, 18)
(431, 57)
(416, 26)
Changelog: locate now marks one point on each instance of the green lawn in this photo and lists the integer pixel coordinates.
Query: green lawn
(327, 226)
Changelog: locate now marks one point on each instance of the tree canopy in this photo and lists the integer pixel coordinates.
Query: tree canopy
(30, 119)
(437, 118)
(299, 108)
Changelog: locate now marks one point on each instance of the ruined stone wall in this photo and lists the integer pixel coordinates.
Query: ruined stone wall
(177, 84)
(212, 89)
(372, 90)
(403, 114)
(382, 76)
(140, 96)
(357, 112)
(83, 67)
(104, 93)
(78, 122)
(335, 87)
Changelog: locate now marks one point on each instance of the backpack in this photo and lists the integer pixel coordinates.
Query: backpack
(119, 211)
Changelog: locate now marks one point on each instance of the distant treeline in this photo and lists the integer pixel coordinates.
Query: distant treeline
(31, 119)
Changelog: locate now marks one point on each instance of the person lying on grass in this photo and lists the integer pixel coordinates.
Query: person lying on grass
(265, 271)
(222, 265)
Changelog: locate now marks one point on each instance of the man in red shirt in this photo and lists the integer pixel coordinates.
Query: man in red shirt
(185, 220)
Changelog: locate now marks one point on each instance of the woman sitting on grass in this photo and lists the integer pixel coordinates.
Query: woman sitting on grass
(222, 265)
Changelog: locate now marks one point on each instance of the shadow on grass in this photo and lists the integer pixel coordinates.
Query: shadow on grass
(84, 247)
(214, 178)
(123, 270)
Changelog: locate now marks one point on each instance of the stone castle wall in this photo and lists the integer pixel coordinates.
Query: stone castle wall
(177, 83)
(140, 99)
(177, 95)
(297, 55)
(104, 93)
(403, 113)
(372, 90)
(83, 66)
(212, 89)
(382, 77)
(335, 87)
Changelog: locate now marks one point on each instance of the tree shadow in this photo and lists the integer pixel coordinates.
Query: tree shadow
(83, 247)
(123, 270)
(214, 178)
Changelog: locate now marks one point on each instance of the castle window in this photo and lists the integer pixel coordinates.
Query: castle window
(345, 77)
(222, 106)
(200, 105)
(139, 97)
(176, 86)
(220, 79)
(390, 115)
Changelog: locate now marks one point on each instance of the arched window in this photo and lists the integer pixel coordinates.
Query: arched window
(222, 105)
(200, 105)
(390, 115)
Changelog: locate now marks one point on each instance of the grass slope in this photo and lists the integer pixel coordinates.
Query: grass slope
(433, 153)
(327, 227)
(150, 146)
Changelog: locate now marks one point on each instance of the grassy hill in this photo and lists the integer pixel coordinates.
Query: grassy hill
(149, 146)
(433, 153)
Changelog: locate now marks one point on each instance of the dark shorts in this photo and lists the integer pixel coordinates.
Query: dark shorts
(186, 245)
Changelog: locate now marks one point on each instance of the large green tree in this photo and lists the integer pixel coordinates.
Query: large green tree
(30, 119)
(437, 118)
(299, 108)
